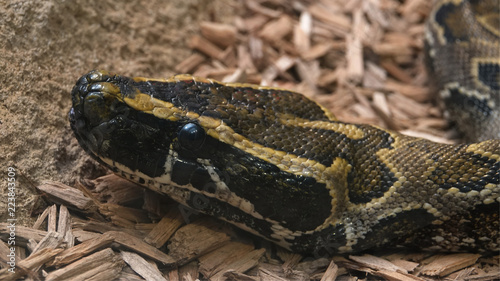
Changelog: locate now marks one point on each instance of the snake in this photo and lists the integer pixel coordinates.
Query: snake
(278, 165)
(463, 50)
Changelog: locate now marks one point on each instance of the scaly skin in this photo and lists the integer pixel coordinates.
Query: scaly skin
(276, 164)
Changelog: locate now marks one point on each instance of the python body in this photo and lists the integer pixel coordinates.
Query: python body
(463, 39)
(280, 166)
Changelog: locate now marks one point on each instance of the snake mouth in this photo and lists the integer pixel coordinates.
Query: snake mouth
(111, 131)
(96, 111)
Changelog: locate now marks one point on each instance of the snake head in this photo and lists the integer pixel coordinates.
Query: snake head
(193, 138)
(116, 133)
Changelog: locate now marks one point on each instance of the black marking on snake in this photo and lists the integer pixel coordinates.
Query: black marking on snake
(465, 102)
(489, 74)
(446, 12)
(258, 183)
(395, 228)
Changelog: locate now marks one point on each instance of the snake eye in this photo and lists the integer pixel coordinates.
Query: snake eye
(191, 136)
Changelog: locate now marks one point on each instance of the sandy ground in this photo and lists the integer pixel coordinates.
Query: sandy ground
(46, 46)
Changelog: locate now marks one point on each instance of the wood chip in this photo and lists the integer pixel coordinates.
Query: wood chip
(102, 227)
(231, 258)
(335, 20)
(381, 107)
(273, 272)
(115, 190)
(354, 56)
(23, 234)
(128, 216)
(245, 59)
(484, 277)
(415, 10)
(232, 275)
(392, 49)
(29, 264)
(243, 263)
(302, 32)
(188, 271)
(317, 51)
(155, 205)
(52, 240)
(82, 235)
(374, 76)
(254, 23)
(64, 227)
(217, 74)
(4, 253)
(330, 273)
(411, 108)
(228, 57)
(309, 73)
(190, 63)
(281, 65)
(139, 246)
(52, 218)
(31, 245)
(396, 71)
(256, 7)
(196, 239)
(277, 29)
(239, 76)
(419, 94)
(87, 267)
(290, 260)
(409, 266)
(89, 246)
(164, 229)
(374, 12)
(203, 45)
(41, 218)
(66, 195)
(377, 263)
(142, 267)
(219, 259)
(104, 271)
(445, 264)
(223, 35)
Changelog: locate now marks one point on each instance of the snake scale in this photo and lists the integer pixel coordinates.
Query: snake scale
(278, 165)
